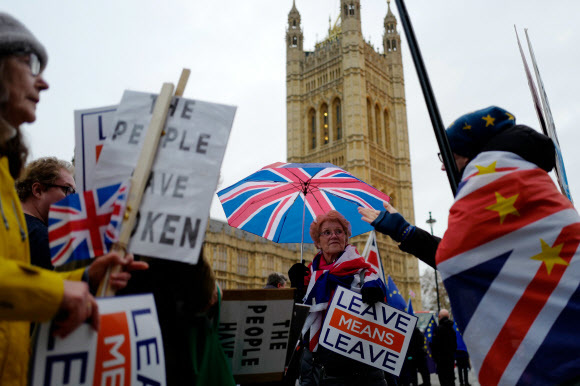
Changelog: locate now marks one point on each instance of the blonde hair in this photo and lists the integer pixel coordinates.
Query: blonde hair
(333, 215)
(44, 170)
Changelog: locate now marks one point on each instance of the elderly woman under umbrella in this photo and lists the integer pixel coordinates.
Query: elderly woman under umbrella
(337, 263)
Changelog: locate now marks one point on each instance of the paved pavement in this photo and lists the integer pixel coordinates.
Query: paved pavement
(470, 376)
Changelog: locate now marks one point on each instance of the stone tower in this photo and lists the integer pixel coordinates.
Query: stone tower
(346, 105)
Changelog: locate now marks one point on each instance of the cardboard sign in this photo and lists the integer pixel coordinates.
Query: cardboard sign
(377, 335)
(175, 208)
(127, 350)
(254, 330)
(92, 126)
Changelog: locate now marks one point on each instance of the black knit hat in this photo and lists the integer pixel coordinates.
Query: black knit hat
(15, 37)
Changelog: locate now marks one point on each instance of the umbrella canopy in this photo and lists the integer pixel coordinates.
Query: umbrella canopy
(281, 200)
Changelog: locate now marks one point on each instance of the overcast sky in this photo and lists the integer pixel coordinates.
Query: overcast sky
(236, 51)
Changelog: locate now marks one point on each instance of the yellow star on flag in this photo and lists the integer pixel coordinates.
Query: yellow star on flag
(550, 256)
(466, 127)
(486, 169)
(510, 117)
(488, 120)
(504, 206)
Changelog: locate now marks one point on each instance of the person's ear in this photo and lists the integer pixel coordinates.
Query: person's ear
(37, 189)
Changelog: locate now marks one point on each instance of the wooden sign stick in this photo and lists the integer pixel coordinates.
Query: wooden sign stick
(141, 173)
(182, 82)
(139, 180)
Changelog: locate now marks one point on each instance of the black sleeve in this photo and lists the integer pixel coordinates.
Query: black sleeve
(39, 244)
(422, 245)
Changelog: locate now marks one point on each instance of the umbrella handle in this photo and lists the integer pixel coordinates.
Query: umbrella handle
(302, 239)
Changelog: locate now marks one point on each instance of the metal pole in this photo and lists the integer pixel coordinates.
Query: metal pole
(438, 128)
(432, 221)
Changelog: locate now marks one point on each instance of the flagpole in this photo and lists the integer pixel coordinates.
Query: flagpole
(432, 221)
(438, 128)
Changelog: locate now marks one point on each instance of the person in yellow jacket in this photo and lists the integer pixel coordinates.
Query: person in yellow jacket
(27, 293)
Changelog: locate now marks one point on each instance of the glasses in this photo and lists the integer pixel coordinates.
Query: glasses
(338, 232)
(32, 60)
(67, 190)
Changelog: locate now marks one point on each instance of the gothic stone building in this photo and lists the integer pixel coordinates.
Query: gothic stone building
(345, 105)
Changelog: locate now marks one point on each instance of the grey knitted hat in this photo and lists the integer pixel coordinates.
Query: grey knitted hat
(15, 37)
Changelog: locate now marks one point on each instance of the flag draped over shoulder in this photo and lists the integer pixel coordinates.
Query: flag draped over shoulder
(85, 225)
(510, 263)
(346, 272)
(394, 297)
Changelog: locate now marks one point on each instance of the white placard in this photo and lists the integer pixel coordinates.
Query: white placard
(175, 208)
(127, 350)
(377, 335)
(254, 332)
(92, 127)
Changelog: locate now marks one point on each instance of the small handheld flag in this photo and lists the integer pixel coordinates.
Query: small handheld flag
(394, 298)
(85, 225)
(409, 308)
(372, 256)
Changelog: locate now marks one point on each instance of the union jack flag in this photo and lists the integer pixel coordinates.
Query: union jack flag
(372, 256)
(85, 225)
(270, 203)
(510, 263)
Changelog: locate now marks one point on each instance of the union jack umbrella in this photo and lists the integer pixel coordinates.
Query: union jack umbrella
(280, 201)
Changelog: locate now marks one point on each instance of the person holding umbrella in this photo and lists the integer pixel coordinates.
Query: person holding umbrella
(336, 263)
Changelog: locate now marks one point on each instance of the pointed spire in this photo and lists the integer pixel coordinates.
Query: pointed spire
(294, 11)
(390, 16)
(329, 25)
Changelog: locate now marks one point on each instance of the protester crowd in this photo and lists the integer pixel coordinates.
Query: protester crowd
(32, 291)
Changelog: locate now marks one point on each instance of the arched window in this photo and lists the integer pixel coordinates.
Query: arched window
(389, 45)
(293, 23)
(336, 108)
(387, 130)
(294, 41)
(370, 120)
(351, 9)
(312, 124)
(378, 124)
(394, 45)
(324, 127)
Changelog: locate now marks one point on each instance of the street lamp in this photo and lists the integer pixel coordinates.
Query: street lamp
(432, 221)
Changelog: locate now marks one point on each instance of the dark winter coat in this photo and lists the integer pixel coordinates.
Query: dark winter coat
(444, 342)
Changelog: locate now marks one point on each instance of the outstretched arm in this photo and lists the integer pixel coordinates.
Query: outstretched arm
(412, 239)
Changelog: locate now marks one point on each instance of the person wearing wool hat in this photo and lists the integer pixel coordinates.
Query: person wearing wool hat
(488, 129)
(503, 255)
(27, 293)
